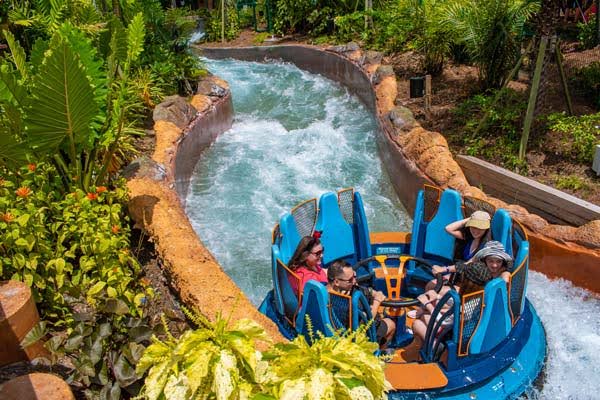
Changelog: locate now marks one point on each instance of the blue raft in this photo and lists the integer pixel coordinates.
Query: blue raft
(494, 348)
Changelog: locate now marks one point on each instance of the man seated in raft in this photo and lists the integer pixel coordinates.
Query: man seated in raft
(342, 279)
(489, 263)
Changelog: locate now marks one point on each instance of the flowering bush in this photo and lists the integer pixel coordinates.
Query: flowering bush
(72, 249)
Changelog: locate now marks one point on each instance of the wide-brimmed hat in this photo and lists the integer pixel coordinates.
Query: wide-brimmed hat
(479, 219)
(493, 248)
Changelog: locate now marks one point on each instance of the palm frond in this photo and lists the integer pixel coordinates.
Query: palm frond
(18, 54)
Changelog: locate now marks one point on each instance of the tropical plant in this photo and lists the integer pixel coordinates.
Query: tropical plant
(63, 105)
(491, 33)
(432, 38)
(73, 250)
(342, 366)
(213, 361)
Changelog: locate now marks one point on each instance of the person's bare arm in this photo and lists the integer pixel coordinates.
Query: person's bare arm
(378, 297)
(455, 228)
(505, 276)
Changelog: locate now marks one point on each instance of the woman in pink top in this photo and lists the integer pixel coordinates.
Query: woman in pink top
(307, 262)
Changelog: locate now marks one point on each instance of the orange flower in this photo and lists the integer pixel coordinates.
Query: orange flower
(100, 189)
(7, 217)
(23, 191)
(92, 196)
(115, 229)
(31, 167)
(2, 181)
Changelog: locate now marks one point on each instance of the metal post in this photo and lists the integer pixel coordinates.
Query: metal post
(222, 21)
(597, 22)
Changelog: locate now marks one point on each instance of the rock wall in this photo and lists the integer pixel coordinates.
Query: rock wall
(414, 156)
(157, 190)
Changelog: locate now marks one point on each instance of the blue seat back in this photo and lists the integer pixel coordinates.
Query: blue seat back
(518, 283)
(361, 229)
(315, 301)
(283, 249)
(495, 322)
(336, 233)
(429, 238)
(361, 314)
(289, 237)
(501, 227)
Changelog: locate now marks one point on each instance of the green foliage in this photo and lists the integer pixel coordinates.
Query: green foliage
(73, 250)
(213, 361)
(587, 35)
(580, 134)
(339, 367)
(490, 31)
(498, 136)
(216, 361)
(390, 30)
(232, 26)
(571, 182)
(587, 79)
(432, 37)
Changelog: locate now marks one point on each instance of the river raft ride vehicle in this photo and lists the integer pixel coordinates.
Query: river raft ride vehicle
(485, 345)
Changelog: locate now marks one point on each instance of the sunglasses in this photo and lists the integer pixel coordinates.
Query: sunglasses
(348, 280)
(318, 253)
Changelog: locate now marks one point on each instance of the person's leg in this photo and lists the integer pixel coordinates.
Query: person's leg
(419, 327)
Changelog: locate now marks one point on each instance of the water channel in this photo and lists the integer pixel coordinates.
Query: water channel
(296, 135)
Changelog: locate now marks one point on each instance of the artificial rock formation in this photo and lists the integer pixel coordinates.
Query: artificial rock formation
(156, 207)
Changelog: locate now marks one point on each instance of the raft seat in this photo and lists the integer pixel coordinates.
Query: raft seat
(286, 300)
(429, 238)
(336, 234)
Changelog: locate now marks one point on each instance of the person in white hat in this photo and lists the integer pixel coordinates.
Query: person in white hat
(472, 233)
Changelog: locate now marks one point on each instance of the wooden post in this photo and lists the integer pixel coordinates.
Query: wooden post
(427, 94)
(535, 86)
(563, 78)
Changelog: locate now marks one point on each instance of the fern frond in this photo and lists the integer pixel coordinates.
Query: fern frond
(136, 32)
(18, 54)
(165, 325)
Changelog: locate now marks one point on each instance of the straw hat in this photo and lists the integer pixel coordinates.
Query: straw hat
(479, 219)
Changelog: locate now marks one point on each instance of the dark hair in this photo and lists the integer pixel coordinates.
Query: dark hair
(460, 245)
(336, 269)
(302, 251)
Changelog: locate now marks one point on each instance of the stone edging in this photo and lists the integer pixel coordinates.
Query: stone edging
(157, 190)
(414, 155)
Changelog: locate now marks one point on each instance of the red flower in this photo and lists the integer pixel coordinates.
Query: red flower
(92, 196)
(100, 189)
(7, 217)
(31, 167)
(23, 191)
(115, 229)
(317, 234)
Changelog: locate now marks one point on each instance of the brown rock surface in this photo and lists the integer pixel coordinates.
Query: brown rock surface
(193, 271)
(201, 103)
(36, 386)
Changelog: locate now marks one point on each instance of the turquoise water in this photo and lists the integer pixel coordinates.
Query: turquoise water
(296, 135)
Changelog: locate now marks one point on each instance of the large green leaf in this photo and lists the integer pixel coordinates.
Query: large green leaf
(64, 106)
